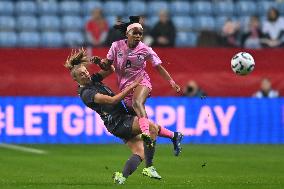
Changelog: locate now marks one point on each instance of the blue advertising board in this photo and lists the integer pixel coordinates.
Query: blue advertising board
(67, 120)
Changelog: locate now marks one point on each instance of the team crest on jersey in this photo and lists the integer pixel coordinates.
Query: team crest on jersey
(119, 54)
(140, 57)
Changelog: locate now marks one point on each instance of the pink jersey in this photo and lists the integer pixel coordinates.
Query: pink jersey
(130, 63)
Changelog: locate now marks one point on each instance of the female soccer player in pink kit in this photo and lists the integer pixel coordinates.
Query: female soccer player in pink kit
(128, 58)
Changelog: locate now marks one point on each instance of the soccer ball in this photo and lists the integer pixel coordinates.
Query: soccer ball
(242, 63)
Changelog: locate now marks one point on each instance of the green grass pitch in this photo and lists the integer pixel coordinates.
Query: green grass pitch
(91, 166)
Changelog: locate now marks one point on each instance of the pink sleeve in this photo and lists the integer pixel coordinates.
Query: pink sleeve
(153, 57)
(111, 52)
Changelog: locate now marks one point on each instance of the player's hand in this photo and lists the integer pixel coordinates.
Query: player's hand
(176, 87)
(104, 64)
(95, 60)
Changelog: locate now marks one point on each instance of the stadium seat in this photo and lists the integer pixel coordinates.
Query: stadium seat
(202, 8)
(8, 39)
(47, 7)
(72, 23)
(152, 20)
(182, 8)
(154, 7)
(111, 20)
(7, 23)
(245, 8)
(263, 6)
(6, 8)
(136, 8)
(70, 8)
(25, 8)
(28, 39)
(184, 39)
(183, 23)
(27, 23)
(204, 23)
(73, 39)
(114, 8)
(244, 21)
(223, 8)
(49, 23)
(89, 6)
(220, 21)
(52, 39)
(280, 7)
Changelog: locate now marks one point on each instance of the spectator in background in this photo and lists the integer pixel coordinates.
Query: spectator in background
(230, 34)
(208, 38)
(273, 29)
(147, 38)
(266, 90)
(252, 38)
(193, 90)
(97, 28)
(164, 32)
(114, 34)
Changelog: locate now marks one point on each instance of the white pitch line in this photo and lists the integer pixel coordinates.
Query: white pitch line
(22, 148)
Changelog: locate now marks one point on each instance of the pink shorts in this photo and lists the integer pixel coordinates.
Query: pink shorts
(128, 98)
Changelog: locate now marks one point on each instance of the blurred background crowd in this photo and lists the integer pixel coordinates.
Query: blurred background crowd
(176, 23)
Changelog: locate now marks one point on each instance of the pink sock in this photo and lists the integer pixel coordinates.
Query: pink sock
(144, 125)
(166, 133)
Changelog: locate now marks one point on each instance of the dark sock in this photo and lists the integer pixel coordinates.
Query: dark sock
(149, 152)
(131, 165)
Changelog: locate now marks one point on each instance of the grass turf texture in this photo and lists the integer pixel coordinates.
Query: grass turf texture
(91, 166)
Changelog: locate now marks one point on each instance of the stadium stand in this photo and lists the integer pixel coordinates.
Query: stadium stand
(72, 23)
(223, 8)
(88, 6)
(8, 39)
(26, 23)
(7, 23)
(73, 39)
(52, 39)
(29, 39)
(70, 8)
(202, 8)
(154, 7)
(180, 8)
(47, 7)
(136, 8)
(26, 8)
(21, 18)
(49, 23)
(186, 39)
(6, 8)
(113, 8)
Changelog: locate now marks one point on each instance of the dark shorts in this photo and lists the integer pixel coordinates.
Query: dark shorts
(123, 128)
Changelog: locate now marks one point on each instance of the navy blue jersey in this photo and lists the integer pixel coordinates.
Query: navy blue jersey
(112, 115)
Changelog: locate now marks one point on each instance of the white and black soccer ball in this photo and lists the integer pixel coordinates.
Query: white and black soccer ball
(242, 63)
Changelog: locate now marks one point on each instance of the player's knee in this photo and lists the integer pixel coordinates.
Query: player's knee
(140, 152)
(153, 130)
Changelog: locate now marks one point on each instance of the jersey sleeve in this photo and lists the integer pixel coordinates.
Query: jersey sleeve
(111, 52)
(88, 95)
(153, 57)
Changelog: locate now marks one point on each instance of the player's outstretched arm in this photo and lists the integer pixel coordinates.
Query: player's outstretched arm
(165, 74)
(104, 64)
(105, 99)
(106, 73)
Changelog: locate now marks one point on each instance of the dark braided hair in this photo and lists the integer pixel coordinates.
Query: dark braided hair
(122, 27)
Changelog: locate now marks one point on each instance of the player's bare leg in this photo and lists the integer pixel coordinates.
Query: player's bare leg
(136, 146)
(138, 103)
